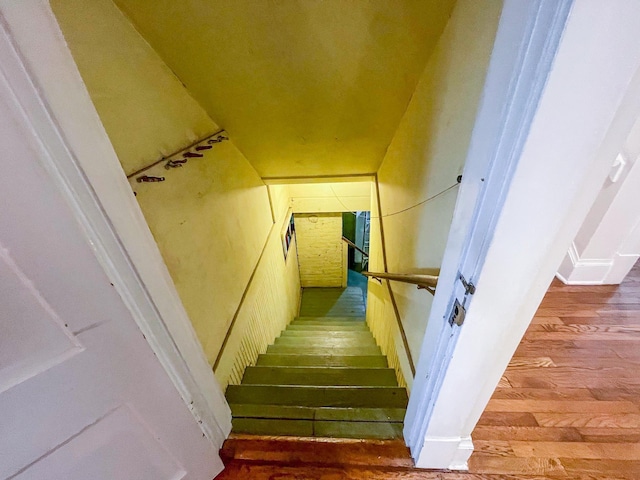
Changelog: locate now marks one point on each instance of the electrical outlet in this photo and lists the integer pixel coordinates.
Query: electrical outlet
(457, 314)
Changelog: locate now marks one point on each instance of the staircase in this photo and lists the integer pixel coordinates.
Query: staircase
(323, 377)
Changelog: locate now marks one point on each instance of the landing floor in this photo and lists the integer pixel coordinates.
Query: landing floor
(332, 302)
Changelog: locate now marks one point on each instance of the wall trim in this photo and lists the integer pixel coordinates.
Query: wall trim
(583, 271)
(454, 450)
(38, 67)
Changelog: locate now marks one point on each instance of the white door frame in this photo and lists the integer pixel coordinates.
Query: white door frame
(87, 171)
(562, 93)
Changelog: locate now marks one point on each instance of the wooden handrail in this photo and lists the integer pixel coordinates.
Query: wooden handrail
(427, 282)
(350, 243)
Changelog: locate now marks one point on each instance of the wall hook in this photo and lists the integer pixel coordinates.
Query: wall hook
(147, 179)
(174, 163)
(218, 139)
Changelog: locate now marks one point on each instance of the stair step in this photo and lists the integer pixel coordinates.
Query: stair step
(329, 342)
(309, 428)
(327, 334)
(331, 319)
(366, 454)
(370, 397)
(293, 360)
(302, 327)
(327, 321)
(311, 350)
(320, 413)
(383, 377)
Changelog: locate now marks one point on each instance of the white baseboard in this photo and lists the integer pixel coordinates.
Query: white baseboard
(449, 453)
(583, 271)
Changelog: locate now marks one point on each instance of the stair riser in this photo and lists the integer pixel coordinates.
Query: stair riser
(327, 328)
(288, 349)
(320, 413)
(331, 319)
(309, 428)
(293, 360)
(318, 342)
(369, 397)
(319, 376)
(326, 334)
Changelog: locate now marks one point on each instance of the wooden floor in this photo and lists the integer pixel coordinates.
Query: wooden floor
(568, 406)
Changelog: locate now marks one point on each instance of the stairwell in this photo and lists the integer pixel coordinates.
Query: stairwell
(323, 377)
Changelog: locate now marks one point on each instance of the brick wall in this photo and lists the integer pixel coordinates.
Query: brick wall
(319, 241)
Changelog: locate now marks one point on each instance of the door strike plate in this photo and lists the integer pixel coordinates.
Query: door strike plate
(457, 314)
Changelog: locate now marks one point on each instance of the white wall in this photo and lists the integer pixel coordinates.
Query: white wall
(608, 243)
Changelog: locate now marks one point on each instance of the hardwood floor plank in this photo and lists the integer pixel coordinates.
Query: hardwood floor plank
(610, 435)
(498, 448)
(551, 467)
(575, 394)
(603, 468)
(621, 420)
(561, 406)
(518, 363)
(539, 434)
(521, 419)
(587, 450)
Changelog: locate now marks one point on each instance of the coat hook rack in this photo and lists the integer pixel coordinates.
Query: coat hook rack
(216, 137)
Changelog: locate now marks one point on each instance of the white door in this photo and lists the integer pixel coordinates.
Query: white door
(82, 395)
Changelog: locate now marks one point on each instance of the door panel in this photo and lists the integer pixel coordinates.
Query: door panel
(82, 394)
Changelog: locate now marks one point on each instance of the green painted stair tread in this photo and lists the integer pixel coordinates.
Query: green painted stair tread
(294, 360)
(323, 323)
(325, 396)
(378, 430)
(327, 376)
(331, 319)
(301, 327)
(328, 321)
(324, 334)
(319, 413)
(326, 342)
(311, 350)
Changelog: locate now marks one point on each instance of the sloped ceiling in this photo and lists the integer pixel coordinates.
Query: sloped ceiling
(304, 87)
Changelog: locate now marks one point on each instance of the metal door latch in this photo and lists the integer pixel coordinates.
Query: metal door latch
(457, 314)
(469, 288)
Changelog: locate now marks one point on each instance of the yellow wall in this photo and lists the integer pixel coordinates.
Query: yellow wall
(272, 300)
(336, 196)
(146, 111)
(380, 313)
(212, 217)
(305, 87)
(427, 153)
(320, 255)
